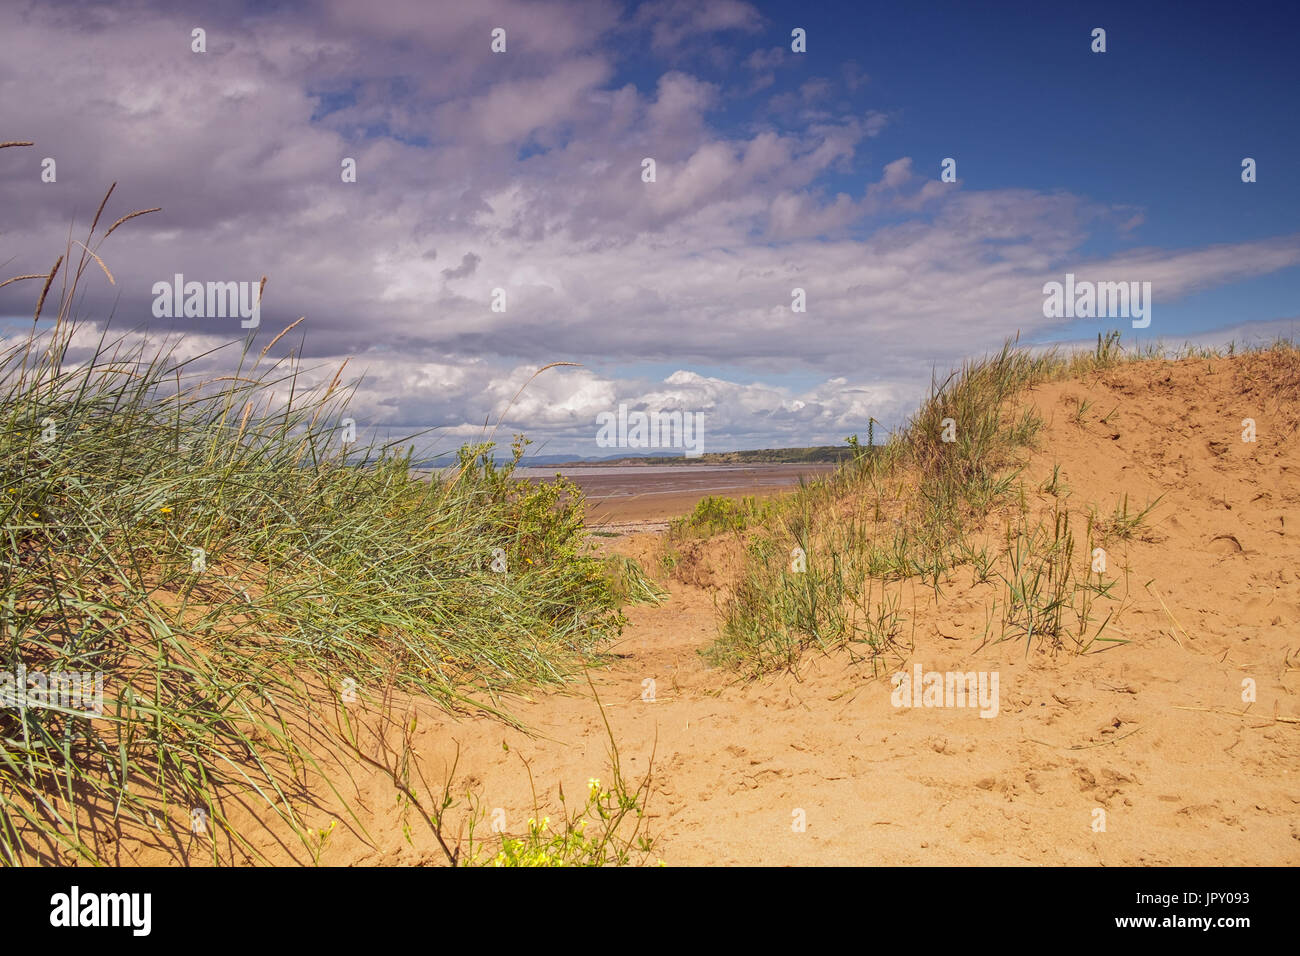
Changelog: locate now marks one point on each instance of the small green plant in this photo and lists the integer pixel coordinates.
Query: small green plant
(1122, 523)
(879, 625)
(1108, 350)
(590, 836)
(630, 583)
(1038, 586)
(1054, 486)
(715, 515)
(317, 840)
(980, 559)
(1043, 588)
(608, 829)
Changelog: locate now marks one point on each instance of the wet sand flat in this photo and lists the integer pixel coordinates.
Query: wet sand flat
(631, 493)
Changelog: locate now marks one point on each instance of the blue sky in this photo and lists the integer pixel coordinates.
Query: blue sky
(1014, 92)
(1160, 122)
(521, 171)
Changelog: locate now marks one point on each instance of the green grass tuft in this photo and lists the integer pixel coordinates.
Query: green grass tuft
(212, 547)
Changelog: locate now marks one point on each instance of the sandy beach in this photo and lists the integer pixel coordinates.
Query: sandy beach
(621, 495)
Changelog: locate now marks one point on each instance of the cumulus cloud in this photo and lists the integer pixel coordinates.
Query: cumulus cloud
(672, 22)
(468, 263)
(533, 161)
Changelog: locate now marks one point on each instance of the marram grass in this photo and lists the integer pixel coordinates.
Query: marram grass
(915, 510)
(212, 548)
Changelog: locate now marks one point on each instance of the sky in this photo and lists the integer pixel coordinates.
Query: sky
(774, 170)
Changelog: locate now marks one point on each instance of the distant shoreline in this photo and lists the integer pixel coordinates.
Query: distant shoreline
(631, 494)
(637, 490)
(825, 454)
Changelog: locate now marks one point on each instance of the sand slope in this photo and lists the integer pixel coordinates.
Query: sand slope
(1144, 731)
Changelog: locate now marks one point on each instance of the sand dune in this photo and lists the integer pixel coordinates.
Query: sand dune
(1152, 735)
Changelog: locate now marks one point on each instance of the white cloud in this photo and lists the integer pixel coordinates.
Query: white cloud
(242, 149)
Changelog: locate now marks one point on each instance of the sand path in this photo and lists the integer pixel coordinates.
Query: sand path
(1143, 733)
(1147, 736)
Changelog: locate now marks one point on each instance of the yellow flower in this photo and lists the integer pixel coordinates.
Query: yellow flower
(165, 510)
(594, 785)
